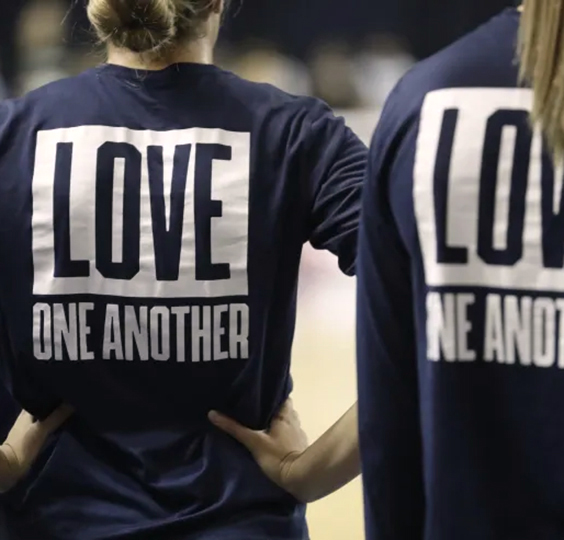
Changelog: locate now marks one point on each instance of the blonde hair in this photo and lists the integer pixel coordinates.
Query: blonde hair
(148, 26)
(541, 49)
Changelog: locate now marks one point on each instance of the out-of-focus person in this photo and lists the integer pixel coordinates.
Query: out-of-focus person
(461, 291)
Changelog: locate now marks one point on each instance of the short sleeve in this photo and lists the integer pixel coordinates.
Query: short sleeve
(386, 352)
(336, 162)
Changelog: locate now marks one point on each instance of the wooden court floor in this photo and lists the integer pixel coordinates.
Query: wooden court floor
(325, 383)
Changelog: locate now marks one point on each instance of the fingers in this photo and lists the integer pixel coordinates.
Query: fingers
(287, 409)
(24, 420)
(288, 413)
(56, 419)
(247, 437)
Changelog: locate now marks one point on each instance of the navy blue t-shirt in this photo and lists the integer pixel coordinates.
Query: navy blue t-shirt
(151, 227)
(461, 306)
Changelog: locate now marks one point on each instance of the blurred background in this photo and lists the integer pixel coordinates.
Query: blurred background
(348, 53)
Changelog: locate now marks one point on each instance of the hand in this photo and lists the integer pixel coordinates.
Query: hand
(24, 443)
(276, 449)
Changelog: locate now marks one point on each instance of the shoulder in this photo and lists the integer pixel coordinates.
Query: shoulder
(482, 58)
(44, 108)
(59, 93)
(14, 123)
(47, 105)
(267, 99)
(297, 126)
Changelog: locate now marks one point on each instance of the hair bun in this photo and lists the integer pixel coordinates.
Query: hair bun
(138, 25)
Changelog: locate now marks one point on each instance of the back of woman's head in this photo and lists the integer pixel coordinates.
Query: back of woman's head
(541, 47)
(149, 26)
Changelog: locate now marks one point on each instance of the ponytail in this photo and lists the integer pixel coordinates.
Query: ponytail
(541, 49)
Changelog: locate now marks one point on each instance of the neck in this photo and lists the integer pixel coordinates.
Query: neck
(197, 52)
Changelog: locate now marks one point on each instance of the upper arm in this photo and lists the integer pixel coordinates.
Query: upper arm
(15, 376)
(336, 162)
(386, 354)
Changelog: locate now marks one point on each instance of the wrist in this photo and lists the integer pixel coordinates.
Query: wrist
(295, 476)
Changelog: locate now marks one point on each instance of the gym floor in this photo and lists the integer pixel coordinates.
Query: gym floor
(325, 380)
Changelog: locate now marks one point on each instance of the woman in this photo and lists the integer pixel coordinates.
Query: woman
(152, 216)
(460, 318)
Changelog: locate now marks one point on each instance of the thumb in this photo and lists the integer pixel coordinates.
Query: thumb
(247, 437)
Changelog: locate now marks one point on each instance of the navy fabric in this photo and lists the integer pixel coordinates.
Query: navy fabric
(460, 319)
(151, 228)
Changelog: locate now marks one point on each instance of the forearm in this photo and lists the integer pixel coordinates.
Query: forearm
(330, 463)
